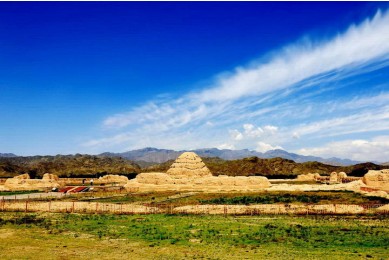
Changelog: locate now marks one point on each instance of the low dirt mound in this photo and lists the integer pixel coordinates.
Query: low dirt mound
(23, 182)
(377, 179)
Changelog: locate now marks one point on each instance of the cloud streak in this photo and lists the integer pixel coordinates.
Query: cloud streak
(266, 90)
(376, 149)
(360, 44)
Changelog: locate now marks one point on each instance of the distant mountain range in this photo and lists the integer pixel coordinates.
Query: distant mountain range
(7, 155)
(149, 156)
(154, 155)
(273, 164)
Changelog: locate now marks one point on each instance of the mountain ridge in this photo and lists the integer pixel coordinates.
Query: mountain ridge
(155, 155)
(151, 155)
(7, 155)
(82, 166)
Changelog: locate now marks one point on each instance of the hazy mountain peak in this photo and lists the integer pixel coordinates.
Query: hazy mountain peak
(155, 155)
(7, 155)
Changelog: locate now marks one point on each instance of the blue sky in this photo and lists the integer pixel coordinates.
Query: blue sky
(311, 78)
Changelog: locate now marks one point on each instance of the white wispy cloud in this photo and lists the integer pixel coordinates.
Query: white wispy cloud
(261, 92)
(264, 147)
(360, 44)
(375, 149)
(226, 146)
(371, 120)
(236, 135)
(250, 131)
(249, 134)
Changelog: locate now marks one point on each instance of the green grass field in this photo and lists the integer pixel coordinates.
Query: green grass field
(71, 236)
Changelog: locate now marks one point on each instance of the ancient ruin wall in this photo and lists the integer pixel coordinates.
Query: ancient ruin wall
(189, 165)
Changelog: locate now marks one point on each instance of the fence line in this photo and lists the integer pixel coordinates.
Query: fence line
(255, 209)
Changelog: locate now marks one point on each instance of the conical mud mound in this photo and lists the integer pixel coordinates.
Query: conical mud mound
(188, 164)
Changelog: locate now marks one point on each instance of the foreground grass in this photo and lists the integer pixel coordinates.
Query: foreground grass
(70, 236)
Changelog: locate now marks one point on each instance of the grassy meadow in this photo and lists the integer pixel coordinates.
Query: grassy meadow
(77, 236)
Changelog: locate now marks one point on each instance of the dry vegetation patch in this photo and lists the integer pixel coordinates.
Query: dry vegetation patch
(243, 198)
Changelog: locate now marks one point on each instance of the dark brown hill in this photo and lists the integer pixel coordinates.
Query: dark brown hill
(88, 165)
(67, 166)
(272, 168)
